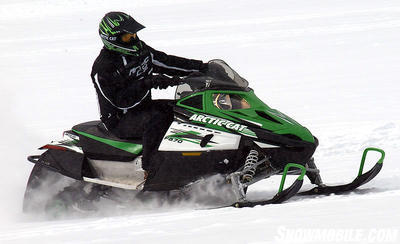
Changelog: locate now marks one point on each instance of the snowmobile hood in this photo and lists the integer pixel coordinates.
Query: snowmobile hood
(222, 100)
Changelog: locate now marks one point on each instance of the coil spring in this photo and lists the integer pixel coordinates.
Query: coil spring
(249, 170)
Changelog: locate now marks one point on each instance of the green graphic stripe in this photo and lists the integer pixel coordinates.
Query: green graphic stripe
(116, 21)
(107, 28)
(195, 142)
(126, 146)
(186, 133)
(183, 139)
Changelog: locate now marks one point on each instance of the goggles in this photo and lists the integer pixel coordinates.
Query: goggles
(128, 37)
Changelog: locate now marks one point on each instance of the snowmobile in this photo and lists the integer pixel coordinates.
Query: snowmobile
(220, 127)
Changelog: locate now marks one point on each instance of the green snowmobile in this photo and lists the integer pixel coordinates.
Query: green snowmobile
(220, 127)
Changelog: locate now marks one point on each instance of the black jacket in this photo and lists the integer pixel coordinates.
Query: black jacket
(123, 82)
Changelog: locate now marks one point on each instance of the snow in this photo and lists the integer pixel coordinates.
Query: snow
(331, 65)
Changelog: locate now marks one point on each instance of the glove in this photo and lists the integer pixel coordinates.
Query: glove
(204, 68)
(161, 81)
(195, 74)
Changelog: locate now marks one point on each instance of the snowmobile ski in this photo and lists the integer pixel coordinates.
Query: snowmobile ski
(322, 189)
(361, 179)
(282, 195)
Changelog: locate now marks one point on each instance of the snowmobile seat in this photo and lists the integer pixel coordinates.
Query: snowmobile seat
(99, 143)
(95, 128)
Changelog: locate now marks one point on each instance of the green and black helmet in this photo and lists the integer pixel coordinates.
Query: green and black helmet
(118, 31)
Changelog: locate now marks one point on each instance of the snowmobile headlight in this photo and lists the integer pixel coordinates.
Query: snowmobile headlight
(229, 101)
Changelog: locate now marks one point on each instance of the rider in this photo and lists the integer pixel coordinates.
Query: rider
(123, 75)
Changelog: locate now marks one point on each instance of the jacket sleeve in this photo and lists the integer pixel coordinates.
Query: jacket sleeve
(173, 65)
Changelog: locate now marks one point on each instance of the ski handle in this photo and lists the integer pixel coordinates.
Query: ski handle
(287, 167)
(364, 156)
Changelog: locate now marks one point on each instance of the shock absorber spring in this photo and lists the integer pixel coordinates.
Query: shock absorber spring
(249, 169)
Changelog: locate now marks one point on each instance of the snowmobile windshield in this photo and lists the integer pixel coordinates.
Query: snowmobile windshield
(218, 76)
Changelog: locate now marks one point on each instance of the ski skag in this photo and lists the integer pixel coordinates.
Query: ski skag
(321, 189)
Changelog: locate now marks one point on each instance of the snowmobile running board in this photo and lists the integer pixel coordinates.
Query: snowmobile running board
(322, 189)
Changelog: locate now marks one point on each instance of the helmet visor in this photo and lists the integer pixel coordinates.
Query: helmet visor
(131, 25)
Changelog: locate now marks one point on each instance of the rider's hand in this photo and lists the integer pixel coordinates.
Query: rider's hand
(204, 68)
(195, 74)
(161, 81)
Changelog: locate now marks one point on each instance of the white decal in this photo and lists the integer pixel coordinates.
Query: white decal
(218, 121)
(143, 67)
(222, 140)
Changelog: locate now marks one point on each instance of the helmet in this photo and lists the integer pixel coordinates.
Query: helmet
(118, 30)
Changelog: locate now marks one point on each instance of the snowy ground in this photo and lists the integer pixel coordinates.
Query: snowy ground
(331, 65)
